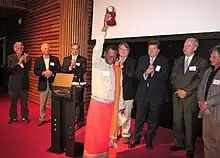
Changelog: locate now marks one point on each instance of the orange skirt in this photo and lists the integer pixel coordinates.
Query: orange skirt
(97, 130)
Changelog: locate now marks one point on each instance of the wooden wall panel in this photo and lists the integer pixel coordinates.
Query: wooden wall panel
(89, 54)
(19, 4)
(74, 29)
(57, 22)
(41, 23)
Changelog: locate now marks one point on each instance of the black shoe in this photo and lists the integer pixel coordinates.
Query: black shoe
(189, 153)
(11, 121)
(176, 148)
(133, 143)
(41, 123)
(25, 120)
(149, 144)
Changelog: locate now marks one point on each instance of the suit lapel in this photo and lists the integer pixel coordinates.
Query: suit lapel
(156, 60)
(43, 63)
(126, 61)
(194, 60)
(207, 77)
(78, 58)
(147, 61)
(181, 68)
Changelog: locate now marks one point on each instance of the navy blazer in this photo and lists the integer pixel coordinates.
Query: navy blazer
(39, 67)
(153, 89)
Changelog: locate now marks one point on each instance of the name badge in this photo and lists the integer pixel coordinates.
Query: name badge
(158, 67)
(216, 82)
(77, 64)
(105, 73)
(52, 64)
(192, 68)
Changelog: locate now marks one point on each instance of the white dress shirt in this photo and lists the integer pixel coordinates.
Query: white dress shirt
(190, 58)
(151, 62)
(47, 61)
(103, 76)
(74, 57)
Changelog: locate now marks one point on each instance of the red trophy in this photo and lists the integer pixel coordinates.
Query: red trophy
(110, 10)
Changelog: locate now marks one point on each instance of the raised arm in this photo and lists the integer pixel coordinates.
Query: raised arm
(98, 49)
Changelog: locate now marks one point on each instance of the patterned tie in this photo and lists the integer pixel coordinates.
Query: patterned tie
(186, 64)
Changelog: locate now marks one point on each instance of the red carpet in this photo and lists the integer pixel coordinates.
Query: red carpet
(28, 141)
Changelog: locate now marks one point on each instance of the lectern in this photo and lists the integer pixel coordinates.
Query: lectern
(63, 117)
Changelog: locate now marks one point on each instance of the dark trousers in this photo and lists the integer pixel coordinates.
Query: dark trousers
(80, 104)
(184, 123)
(14, 95)
(149, 112)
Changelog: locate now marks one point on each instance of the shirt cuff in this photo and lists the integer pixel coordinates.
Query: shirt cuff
(21, 65)
(145, 76)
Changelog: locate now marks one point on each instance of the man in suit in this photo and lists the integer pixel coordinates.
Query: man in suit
(152, 73)
(209, 103)
(76, 64)
(18, 66)
(46, 68)
(128, 89)
(187, 73)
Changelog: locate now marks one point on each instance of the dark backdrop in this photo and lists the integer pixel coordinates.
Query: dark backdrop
(171, 49)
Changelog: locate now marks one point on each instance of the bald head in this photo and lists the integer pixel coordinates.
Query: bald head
(190, 46)
(45, 48)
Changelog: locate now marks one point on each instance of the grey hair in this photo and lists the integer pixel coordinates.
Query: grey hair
(43, 45)
(124, 44)
(216, 49)
(195, 40)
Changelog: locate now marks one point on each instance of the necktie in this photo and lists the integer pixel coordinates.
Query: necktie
(186, 64)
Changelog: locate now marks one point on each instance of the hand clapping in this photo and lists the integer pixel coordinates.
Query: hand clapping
(73, 63)
(150, 69)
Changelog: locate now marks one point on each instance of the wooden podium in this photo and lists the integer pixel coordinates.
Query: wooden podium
(63, 117)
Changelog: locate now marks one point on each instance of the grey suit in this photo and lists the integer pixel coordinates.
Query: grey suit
(211, 123)
(185, 110)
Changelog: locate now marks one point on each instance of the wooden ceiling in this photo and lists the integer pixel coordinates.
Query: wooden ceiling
(10, 7)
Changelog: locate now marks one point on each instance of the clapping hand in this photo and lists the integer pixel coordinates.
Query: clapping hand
(149, 70)
(73, 63)
(25, 57)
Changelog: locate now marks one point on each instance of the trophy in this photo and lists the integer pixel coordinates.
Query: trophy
(110, 10)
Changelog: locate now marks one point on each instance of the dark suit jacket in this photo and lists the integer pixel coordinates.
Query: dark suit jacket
(18, 76)
(39, 67)
(190, 80)
(156, 93)
(129, 80)
(78, 71)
